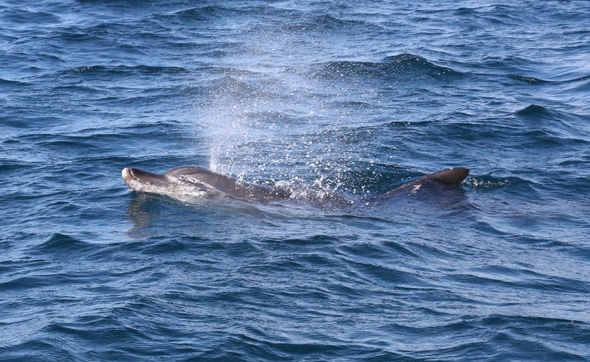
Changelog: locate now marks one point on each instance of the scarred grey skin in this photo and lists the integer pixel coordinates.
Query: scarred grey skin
(193, 179)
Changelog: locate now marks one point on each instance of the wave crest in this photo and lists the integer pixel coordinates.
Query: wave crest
(394, 67)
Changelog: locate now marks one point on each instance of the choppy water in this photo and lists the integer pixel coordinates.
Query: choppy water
(356, 97)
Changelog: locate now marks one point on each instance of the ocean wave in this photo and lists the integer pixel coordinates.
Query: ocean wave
(552, 127)
(7, 83)
(125, 70)
(584, 86)
(133, 3)
(168, 245)
(327, 22)
(75, 36)
(229, 86)
(27, 17)
(31, 122)
(391, 68)
(364, 251)
(209, 12)
(58, 243)
(25, 282)
(317, 24)
(506, 277)
(529, 80)
(535, 111)
(315, 240)
(13, 165)
(65, 144)
(191, 14)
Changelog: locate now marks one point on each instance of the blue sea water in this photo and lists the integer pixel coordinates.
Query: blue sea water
(351, 97)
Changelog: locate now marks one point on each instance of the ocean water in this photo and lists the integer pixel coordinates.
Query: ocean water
(349, 97)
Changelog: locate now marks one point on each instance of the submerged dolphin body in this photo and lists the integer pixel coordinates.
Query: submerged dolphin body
(199, 181)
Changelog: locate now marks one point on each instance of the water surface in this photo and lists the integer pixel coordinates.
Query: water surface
(351, 97)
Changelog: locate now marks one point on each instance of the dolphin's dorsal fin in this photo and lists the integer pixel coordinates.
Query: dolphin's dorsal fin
(450, 176)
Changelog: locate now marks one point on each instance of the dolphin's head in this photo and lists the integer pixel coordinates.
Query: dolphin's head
(139, 180)
(177, 184)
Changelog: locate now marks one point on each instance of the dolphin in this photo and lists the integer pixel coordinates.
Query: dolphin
(199, 181)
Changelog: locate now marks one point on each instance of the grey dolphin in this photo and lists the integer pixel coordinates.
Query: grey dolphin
(194, 179)
(199, 180)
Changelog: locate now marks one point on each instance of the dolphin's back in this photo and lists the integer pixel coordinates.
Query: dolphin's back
(201, 174)
(228, 185)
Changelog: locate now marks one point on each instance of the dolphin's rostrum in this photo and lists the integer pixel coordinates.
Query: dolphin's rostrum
(194, 180)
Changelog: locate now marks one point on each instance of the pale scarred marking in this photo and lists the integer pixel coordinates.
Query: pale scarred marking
(126, 174)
